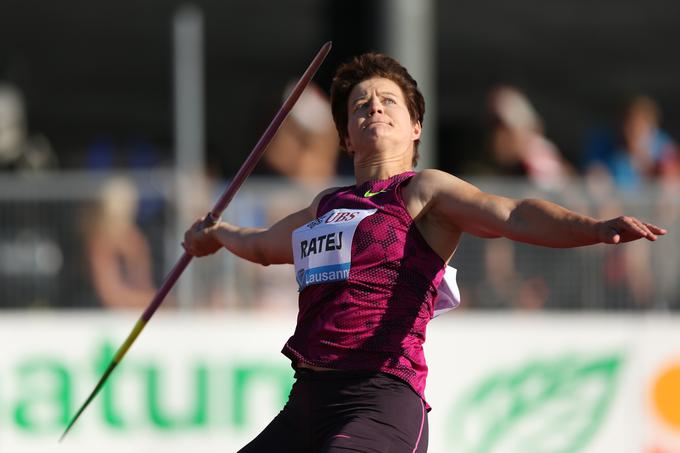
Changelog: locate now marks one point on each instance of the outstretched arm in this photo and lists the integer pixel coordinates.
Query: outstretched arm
(463, 206)
(260, 245)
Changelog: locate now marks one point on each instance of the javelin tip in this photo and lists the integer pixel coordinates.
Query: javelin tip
(326, 48)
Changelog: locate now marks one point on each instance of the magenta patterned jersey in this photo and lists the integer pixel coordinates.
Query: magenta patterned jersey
(368, 281)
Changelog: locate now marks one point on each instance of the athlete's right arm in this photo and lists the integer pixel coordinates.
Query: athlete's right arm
(260, 245)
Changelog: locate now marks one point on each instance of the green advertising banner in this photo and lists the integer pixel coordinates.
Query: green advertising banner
(497, 384)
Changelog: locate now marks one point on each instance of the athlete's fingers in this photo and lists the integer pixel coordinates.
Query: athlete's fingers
(634, 226)
(652, 230)
(200, 240)
(626, 229)
(631, 229)
(192, 238)
(655, 229)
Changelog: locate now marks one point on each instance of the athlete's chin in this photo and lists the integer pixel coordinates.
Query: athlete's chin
(376, 144)
(377, 135)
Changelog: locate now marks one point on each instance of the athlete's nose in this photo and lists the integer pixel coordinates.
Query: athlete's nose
(375, 107)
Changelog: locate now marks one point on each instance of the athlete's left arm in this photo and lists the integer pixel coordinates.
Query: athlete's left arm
(460, 205)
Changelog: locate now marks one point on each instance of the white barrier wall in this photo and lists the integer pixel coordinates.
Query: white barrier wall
(503, 383)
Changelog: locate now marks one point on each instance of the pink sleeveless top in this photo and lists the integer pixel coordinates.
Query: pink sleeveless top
(368, 281)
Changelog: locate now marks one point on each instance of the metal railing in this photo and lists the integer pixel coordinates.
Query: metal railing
(47, 261)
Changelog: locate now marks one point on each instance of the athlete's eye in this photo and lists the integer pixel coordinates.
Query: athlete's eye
(389, 101)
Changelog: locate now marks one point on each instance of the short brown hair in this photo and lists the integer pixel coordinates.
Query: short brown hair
(368, 66)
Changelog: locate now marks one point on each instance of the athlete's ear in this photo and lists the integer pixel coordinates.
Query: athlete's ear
(417, 130)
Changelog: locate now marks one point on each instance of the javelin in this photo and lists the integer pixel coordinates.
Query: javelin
(210, 218)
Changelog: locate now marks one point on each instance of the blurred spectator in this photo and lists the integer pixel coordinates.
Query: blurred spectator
(135, 153)
(306, 146)
(117, 251)
(637, 151)
(517, 143)
(518, 148)
(18, 150)
(305, 150)
(625, 158)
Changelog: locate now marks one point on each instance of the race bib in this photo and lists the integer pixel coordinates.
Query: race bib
(322, 249)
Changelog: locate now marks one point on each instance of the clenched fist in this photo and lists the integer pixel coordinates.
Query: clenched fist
(201, 238)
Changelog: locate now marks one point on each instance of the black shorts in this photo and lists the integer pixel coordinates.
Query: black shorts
(341, 411)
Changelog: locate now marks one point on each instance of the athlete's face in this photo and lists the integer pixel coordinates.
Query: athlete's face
(378, 118)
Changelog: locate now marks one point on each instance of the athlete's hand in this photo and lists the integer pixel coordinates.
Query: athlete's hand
(625, 229)
(201, 238)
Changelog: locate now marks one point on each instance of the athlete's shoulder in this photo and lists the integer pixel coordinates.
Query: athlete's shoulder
(432, 179)
(427, 182)
(433, 175)
(431, 184)
(314, 206)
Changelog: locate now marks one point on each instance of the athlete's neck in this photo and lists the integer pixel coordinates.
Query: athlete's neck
(366, 173)
(378, 162)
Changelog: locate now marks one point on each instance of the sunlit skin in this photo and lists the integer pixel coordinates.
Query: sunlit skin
(380, 137)
(380, 133)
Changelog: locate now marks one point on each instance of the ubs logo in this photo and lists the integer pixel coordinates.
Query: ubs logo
(340, 217)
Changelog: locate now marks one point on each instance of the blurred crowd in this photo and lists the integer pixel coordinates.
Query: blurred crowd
(633, 162)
